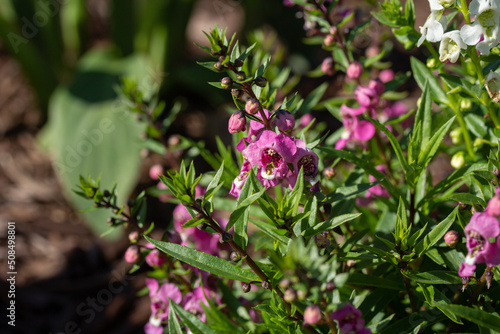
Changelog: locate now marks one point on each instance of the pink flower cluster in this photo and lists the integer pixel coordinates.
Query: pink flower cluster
(357, 131)
(160, 296)
(350, 321)
(482, 238)
(277, 156)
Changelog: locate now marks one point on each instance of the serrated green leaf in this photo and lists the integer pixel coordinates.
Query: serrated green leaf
(203, 261)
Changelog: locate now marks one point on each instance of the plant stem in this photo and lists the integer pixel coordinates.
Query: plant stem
(413, 302)
(331, 324)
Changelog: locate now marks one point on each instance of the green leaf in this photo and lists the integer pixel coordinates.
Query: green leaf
(479, 317)
(422, 75)
(371, 280)
(329, 224)
(313, 98)
(340, 58)
(204, 261)
(432, 146)
(271, 231)
(434, 277)
(213, 186)
(467, 199)
(424, 118)
(191, 321)
(173, 324)
(394, 142)
(90, 131)
(436, 234)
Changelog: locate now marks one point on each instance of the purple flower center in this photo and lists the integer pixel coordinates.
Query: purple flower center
(307, 162)
(476, 242)
(271, 159)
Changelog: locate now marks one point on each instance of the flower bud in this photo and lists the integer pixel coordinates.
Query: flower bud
(235, 257)
(285, 283)
(225, 237)
(290, 295)
(378, 86)
(447, 3)
(456, 136)
(245, 288)
(465, 104)
(226, 82)
(452, 238)
(252, 106)
(312, 315)
(458, 160)
(327, 66)
(133, 237)
(488, 275)
(238, 63)
(284, 120)
(218, 66)
(301, 295)
(237, 122)
(132, 254)
(260, 81)
(266, 285)
(493, 207)
(155, 171)
(155, 258)
(354, 70)
(386, 75)
(241, 75)
(174, 140)
(329, 172)
(237, 93)
(329, 40)
(478, 143)
(431, 63)
(492, 83)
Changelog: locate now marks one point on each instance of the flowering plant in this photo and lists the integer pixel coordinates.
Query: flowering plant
(308, 227)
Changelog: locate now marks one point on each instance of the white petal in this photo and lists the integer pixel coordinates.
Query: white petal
(471, 34)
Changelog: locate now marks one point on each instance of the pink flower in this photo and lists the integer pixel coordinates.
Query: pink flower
(354, 130)
(306, 159)
(192, 301)
(480, 249)
(377, 190)
(255, 130)
(159, 304)
(350, 321)
(239, 181)
(386, 75)
(271, 153)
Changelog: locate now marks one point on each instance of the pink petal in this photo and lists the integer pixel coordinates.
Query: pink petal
(364, 131)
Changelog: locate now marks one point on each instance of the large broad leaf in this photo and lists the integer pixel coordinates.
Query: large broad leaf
(90, 132)
(203, 261)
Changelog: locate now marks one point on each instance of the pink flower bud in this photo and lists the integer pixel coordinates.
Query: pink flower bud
(327, 66)
(452, 238)
(328, 40)
(354, 70)
(312, 315)
(132, 254)
(377, 85)
(155, 258)
(386, 75)
(155, 171)
(493, 208)
(133, 237)
(284, 120)
(237, 122)
(252, 106)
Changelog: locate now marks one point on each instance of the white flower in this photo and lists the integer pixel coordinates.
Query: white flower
(450, 46)
(487, 24)
(492, 83)
(433, 28)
